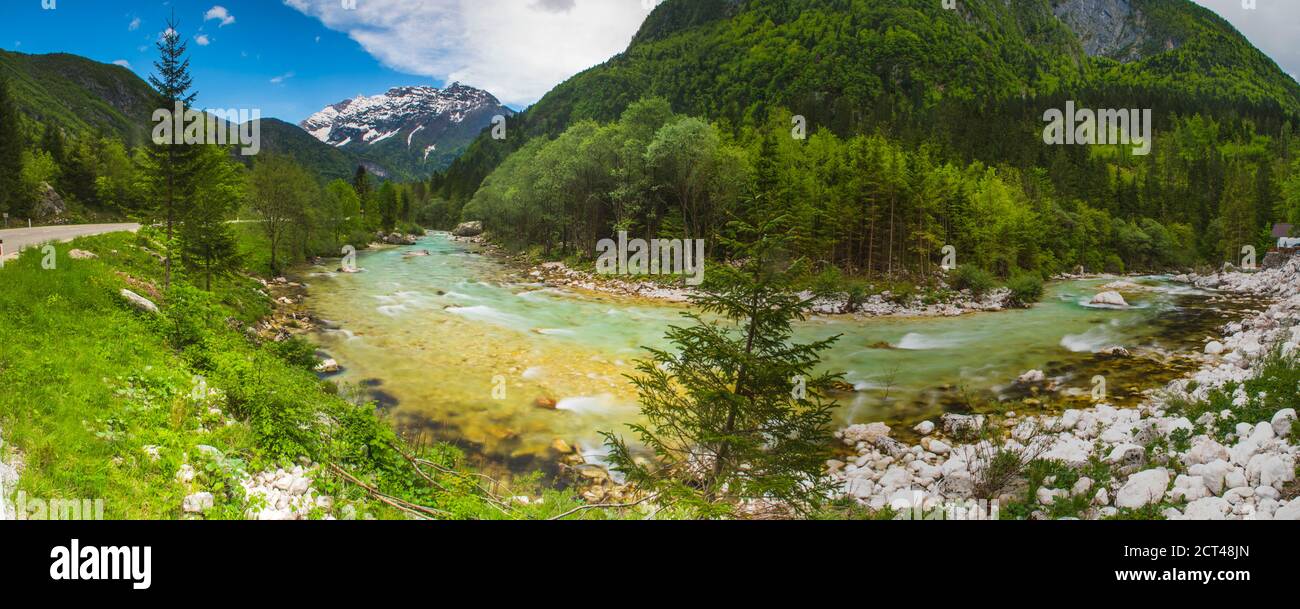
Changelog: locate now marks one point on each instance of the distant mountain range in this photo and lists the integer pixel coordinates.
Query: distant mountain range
(406, 133)
(409, 130)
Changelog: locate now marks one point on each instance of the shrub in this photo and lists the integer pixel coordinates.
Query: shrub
(902, 293)
(972, 278)
(296, 352)
(829, 282)
(1026, 289)
(1114, 264)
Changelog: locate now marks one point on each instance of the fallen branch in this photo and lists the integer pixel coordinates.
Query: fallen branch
(610, 506)
(415, 464)
(406, 506)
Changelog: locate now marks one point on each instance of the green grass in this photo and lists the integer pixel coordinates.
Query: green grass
(1276, 387)
(70, 357)
(86, 382)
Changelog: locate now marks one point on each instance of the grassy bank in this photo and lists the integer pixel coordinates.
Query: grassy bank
(107, 402)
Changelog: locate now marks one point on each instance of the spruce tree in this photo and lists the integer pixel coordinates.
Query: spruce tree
(172, 163)
(11, 153)
(208, 245)
(735, 411)
(53, 142)
(361, 183)
(387, 206)
(79, 171)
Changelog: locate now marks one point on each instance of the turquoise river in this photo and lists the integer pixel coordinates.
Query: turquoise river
(460, 347)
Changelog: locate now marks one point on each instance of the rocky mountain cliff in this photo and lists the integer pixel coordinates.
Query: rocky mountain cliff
(1106, 28)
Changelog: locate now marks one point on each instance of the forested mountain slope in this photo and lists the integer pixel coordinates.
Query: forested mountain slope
(80, 94)
(973, 79)
(83, 97)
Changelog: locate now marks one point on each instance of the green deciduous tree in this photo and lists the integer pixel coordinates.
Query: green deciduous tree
(279, 191)
(341, 213)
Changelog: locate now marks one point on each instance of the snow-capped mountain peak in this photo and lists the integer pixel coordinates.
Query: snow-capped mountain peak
(415, 113)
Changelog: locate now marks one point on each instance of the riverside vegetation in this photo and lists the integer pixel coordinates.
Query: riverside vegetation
(147, 385)
(145, 410)
(188, 411)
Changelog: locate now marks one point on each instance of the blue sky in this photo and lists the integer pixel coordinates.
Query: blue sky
(282, 58)
(290, 58)
(266, 41)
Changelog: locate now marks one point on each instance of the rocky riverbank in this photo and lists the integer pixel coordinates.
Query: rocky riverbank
(1235, 463)
(558, 274)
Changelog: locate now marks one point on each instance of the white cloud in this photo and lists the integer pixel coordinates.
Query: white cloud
(281, 78)
(219, 13)
(555, 6)
(203, 40)
(514, 49)
(122, 62)
(134, 25)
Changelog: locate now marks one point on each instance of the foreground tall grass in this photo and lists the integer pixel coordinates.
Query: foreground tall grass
(106, 402)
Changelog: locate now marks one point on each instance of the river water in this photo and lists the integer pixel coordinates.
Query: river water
(460, 347)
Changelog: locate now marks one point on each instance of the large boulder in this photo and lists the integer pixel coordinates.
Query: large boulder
(328, 366)
(139, 302)
(868, 432)
(48, 203)
(1283, 420)
(1109, 298)
(1290, 511)
(399, 239)
(1032, 377)
(1207, 508)
(198, 503)
(961, 425)
(1143, 489)
(1068, 448)
(469, 229)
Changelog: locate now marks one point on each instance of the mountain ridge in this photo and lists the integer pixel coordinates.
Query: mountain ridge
(81, 95)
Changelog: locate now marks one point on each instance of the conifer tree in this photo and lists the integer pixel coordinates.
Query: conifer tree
(208, 246)
(387, 206)
(172, 162)
(79, 173)
(735, 411)
(52, 141)
(11, 152)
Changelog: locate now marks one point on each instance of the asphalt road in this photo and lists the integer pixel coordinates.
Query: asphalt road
(16, 239)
